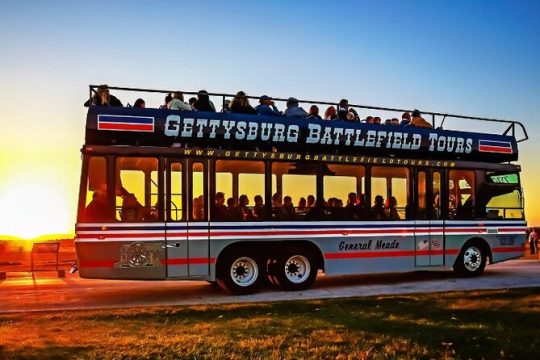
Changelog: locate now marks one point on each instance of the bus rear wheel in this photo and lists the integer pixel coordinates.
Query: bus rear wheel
(471, 260)
(294, 269)
(239, 273)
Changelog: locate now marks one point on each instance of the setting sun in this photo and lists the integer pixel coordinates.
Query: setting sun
(35, 204)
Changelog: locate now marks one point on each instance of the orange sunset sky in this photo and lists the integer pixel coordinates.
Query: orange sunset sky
(473, 58)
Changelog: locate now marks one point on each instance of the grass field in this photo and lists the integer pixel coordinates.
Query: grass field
(502, 324)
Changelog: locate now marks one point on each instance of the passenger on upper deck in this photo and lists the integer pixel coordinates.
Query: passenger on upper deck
(191, 102)
(102, 97)
(240, 104)
(168, 99)
(394, 121)
(376, 120)
(352, 115)
(226, 108)
(405, 119)
(203, 102)
(266, 107)
(419, 121)
(330, 113)
(293, 110)
(343, 109)
(314, 113)
(369, 120)
(177, 102)
(139, 103)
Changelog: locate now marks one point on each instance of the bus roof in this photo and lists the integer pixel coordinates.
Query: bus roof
(166, 128)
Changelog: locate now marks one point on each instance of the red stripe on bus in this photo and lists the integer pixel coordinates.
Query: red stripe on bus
(185, 261)
(497, 149)
(403, 253)
(117, 126)
(507, 249)
(121, 235)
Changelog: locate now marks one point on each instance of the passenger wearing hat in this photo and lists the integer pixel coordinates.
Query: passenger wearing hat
(293, 110)
(266, 107)
(419, 121)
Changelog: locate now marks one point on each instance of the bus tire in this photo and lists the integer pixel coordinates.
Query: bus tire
(239, 272)
(471, 260)
(295, 269)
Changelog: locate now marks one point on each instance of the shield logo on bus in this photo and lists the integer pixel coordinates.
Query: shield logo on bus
(138, 255)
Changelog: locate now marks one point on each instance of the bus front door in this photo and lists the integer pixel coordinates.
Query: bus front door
(176, 215)
(429, 226)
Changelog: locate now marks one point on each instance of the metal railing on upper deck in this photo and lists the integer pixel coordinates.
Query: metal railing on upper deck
(511, 125)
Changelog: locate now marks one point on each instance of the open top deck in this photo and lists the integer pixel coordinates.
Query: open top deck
(172, 128)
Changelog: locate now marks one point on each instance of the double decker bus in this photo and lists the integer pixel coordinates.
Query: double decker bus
(240, 199)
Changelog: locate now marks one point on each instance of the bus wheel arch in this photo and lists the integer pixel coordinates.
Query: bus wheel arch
(239, 269)
(295, 265)
(472, 257)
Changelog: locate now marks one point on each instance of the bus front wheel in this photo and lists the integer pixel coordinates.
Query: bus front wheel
(294, 269)
(471, 260)
(239, 273)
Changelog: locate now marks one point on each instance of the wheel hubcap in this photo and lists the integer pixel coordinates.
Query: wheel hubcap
(244, 271)
(472, 258)
(297, 269)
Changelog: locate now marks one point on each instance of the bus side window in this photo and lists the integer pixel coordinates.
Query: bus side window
(198, 208)
(343, 186)
(290, 183)
(461, 193)
(176, 203)
(389, 193)
(136, 189)
(97, 208)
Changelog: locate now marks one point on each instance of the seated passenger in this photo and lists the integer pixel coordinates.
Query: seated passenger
(220, 211)
(198, 208)
(310, 201)
(97, 209)
(288, 209)
(102, 97)
(293, 110)
(343, 109)
(394, 121)
(267, 107)
(330, 113)
(235, 213)
(258, 209)
(243, 202)
(351, 209)
(391, 211)
(376, 120)
(178, 103)
(302, 204)
(203, 102)
(240, 104)
(369, 120)
(168, 99)
(317, 211)
(377, 210)
(139, 103)
(388, 122)
(132, 210)
(314, 113)
(419, 121)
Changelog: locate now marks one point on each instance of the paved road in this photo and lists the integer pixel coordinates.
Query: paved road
(24, 293)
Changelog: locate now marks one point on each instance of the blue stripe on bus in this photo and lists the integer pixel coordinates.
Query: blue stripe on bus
(505, 144)
(126, 119)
